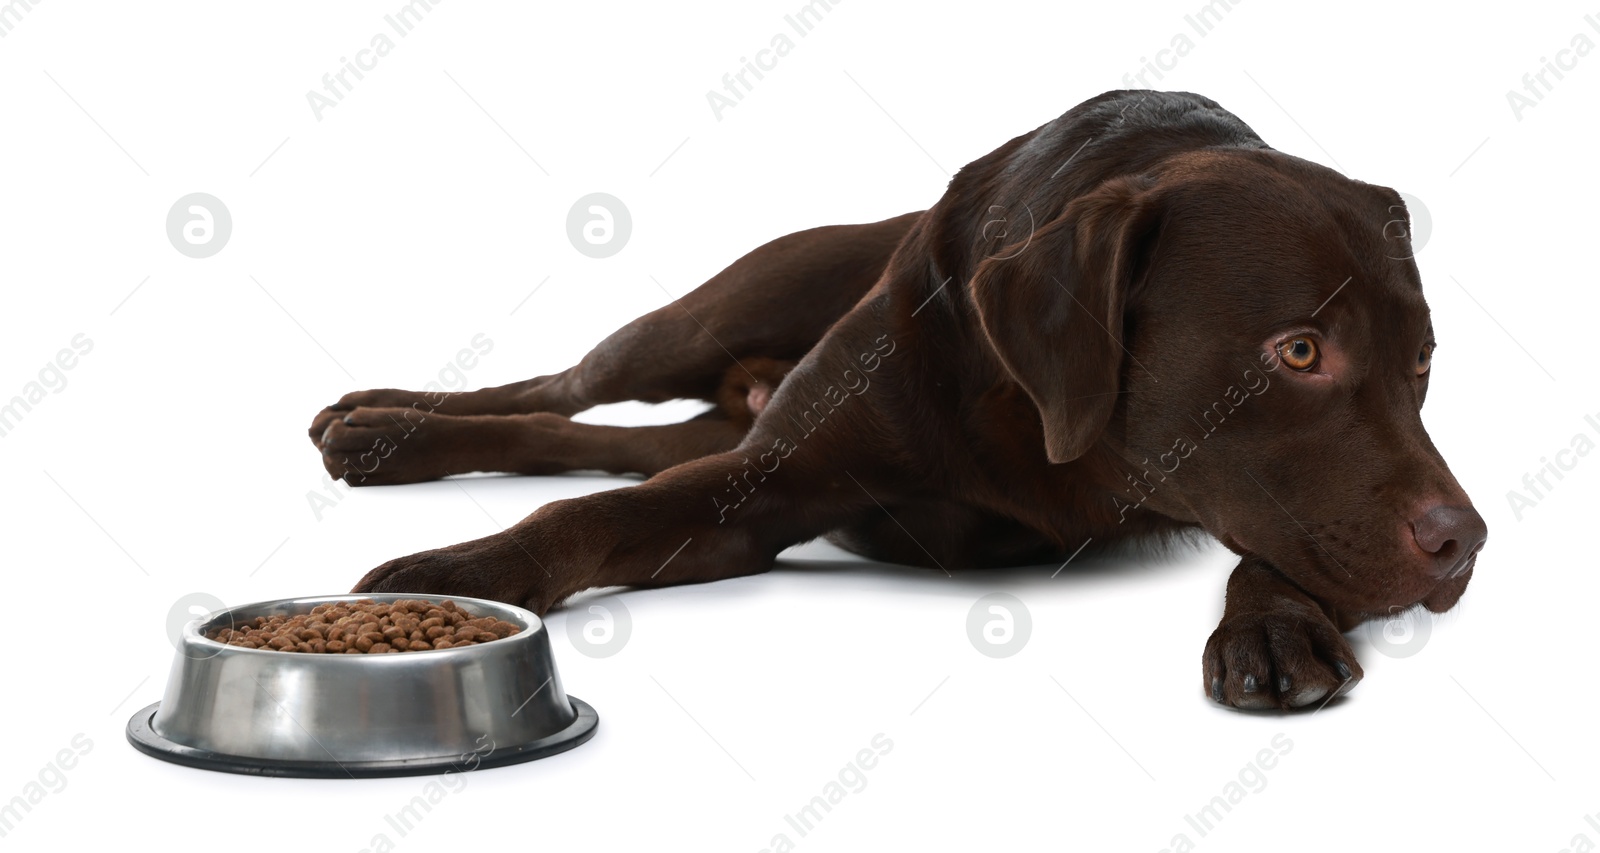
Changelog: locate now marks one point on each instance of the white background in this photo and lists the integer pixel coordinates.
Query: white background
(373, 244)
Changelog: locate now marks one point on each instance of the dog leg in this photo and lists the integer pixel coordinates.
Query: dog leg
(380, 447)
(811, 463)
(775, 302)
(667, 530)
(373, 446)
(1276, 647)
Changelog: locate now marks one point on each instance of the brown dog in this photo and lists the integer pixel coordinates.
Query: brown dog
(1132, 322)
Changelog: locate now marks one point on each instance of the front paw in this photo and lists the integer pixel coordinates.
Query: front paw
(501, 567)
(376, 398)
(386, 446)
(1285, 658)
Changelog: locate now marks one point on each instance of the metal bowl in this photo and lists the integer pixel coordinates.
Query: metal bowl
(271, 713)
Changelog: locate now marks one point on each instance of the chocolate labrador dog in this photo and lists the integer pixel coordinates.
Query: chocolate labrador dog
(1133, 322)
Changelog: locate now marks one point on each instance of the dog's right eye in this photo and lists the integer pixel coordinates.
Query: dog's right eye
(1299, 353)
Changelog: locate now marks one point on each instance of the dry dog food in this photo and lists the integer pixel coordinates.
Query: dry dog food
(367, 627)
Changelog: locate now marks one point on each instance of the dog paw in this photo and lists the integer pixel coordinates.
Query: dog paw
(1278, 660)
(497, 568)
(384, 446)
(377, 398)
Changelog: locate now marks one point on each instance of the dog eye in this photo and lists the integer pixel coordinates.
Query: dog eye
(1299, 353)
(1424, 359)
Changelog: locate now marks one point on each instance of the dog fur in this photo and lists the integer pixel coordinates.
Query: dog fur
(1083, 340)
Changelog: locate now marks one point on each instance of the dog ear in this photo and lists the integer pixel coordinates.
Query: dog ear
(1052, 308)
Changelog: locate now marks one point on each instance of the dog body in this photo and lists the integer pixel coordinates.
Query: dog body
(1134, 321)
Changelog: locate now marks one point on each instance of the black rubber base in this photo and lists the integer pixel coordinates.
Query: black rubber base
(145, 739)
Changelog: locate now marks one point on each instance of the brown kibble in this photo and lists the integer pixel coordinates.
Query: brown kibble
(366, 627)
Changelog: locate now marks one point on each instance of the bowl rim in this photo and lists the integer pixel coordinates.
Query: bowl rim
(531, 625)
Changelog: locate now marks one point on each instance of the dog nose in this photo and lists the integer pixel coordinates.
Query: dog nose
(1450, 535)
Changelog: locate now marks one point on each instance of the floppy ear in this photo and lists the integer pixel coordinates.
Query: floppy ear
(1053, 310)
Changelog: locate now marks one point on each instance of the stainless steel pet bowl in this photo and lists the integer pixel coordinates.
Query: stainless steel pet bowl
(271, 713)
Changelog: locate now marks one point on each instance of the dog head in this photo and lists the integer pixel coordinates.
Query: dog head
(1245, 334)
